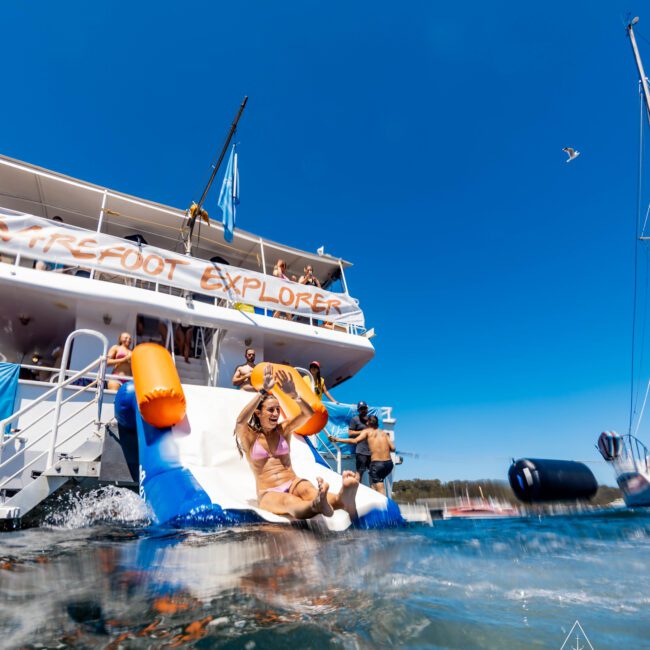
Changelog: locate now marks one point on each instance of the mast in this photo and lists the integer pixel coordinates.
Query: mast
(196, 209)
(639, 65)
(638, 235)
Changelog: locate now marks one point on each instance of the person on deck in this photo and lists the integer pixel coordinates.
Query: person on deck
(40, 265)
(242, 376)
(119, 360)
(358, 423)
(319, 383)
(267, 444)
(381, 464)
(309, 278)
(183, 333)
(279, 271)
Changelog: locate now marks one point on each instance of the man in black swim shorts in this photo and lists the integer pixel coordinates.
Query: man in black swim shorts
(380, 446)
(378, 471)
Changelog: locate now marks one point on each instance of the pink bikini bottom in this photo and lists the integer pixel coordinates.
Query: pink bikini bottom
(283, 487)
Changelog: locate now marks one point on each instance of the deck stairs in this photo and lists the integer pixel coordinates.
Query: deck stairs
(194, 372)
(35, 454)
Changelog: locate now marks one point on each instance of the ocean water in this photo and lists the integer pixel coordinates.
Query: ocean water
(96, 574)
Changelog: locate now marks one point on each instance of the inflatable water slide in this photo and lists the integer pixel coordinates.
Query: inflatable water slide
(191, 472)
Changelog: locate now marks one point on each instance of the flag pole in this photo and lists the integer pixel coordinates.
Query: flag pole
(195, 210)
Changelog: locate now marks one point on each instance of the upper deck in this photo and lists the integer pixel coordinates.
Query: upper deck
(110, 298)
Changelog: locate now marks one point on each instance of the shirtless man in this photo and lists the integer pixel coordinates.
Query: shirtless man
(242, 376)
(380, 445)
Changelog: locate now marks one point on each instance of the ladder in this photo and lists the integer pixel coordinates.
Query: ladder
(20, 493)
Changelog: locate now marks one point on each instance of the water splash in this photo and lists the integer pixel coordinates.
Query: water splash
(107, 504)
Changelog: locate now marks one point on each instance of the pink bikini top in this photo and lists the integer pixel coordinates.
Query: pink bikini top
(259, 453)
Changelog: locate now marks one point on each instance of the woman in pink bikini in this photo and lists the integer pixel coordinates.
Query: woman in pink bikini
(119, 360)
(266, 443)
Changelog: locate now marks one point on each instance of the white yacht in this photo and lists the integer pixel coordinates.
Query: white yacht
(82, 263)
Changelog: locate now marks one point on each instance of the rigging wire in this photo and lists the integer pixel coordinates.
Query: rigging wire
(645, 222)
(644, 310)
(645, 399)
(638, 33)
(636, 259)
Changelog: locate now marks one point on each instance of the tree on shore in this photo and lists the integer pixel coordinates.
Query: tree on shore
(410, 491)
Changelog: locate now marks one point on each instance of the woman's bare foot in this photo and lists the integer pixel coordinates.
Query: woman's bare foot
(348, 493)
(321, 504)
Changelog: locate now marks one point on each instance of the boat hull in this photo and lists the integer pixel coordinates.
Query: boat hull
(636, 489)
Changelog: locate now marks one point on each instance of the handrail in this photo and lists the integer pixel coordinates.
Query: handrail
(169, 340)
(339, 452)
(21, 432)
(43, 397)
(635, 451)
(204, 352)
(100, 384)
(55, 411)
(52, 369)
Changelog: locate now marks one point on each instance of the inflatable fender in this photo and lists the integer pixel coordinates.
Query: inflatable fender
(158, 390)
(124, 406)
(610, 445)
(289, 407)
(169, 488)
(534, 480)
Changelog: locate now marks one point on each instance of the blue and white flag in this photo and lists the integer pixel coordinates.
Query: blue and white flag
(229, 196)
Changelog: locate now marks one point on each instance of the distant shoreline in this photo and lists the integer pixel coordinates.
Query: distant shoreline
(410, 491)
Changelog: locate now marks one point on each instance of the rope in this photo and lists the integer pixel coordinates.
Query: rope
(644, 306)
(645, 399)
(645, 221)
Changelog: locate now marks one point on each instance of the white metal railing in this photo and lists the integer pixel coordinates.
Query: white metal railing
(209, 359)
(114, 276)
(326, 451)
(325, 441)
(169, 340)
(55, 371)
(96, 385)
(635, 452)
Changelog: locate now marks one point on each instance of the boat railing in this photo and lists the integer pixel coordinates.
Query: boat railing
(326, 449)
(202, 343)
(54, 373)
(159, 287)
(52, 415)
(636, 452)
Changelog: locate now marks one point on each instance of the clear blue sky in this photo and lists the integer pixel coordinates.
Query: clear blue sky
(422, 143)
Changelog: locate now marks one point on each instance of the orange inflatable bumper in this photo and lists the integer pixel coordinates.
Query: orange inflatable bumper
(289, 407)
(157, 386)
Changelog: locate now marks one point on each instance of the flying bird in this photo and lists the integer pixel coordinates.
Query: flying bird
(572, 153)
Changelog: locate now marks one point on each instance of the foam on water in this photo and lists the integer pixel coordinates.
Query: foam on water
(108, 504)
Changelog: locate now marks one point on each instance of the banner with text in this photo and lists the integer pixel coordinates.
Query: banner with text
(40, 238)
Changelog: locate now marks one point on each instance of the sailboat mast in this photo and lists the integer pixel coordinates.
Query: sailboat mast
(639, 65)
(639, 236)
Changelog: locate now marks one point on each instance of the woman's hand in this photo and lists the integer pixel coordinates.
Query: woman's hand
(285, 382)
(269, 380)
